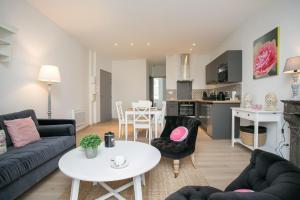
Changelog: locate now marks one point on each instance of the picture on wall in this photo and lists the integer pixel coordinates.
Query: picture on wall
(266, 55)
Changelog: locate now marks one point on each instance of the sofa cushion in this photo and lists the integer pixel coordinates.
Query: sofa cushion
(171, 149)
(22, 131)
(193, 193)
(16, 115)
(19, 161)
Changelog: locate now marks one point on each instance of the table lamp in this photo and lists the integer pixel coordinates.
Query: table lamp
(292, 66)
(49, 74)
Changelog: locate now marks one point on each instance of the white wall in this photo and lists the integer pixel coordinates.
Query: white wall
(128, 82)
(286, 15)
(197, 70)
(39, 41)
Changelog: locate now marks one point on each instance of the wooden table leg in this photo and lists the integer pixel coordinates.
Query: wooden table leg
(74, 189)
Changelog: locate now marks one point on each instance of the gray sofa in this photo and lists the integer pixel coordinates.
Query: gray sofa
(21, 168)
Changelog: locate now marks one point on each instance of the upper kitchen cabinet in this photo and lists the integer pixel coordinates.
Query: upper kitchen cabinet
(226, 68)
(211, 73)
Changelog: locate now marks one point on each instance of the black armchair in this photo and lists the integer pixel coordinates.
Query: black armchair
(270, 176)
(178, 150)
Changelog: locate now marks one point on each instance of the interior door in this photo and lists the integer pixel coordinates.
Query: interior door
(105, 96)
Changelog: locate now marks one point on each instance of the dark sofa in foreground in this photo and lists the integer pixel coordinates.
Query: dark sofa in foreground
(268, 175)
(21, 168)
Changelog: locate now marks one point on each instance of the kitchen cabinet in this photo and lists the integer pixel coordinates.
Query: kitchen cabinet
(216, 119)
(211, 73)
(233, 60)
(172, 108)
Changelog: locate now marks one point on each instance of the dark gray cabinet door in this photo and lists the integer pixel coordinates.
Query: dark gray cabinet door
(172, 108)
(235, 66)
(211, 73)
(105, 96)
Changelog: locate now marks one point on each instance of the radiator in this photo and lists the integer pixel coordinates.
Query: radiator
(79, 117)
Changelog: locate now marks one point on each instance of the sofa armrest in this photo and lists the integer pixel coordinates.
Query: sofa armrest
(56, 121)
(57, 130)
(242, 196)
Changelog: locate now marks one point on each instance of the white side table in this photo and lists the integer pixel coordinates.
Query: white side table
(256, 116)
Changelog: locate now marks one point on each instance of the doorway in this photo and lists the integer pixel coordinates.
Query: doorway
(157, 90)
(105, 96)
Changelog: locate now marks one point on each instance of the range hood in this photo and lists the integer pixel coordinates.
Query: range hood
(184, 82)
(184, 69)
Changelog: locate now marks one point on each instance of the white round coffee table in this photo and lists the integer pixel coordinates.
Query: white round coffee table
(141, 158)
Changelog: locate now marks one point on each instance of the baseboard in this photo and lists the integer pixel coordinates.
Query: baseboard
(82, 127)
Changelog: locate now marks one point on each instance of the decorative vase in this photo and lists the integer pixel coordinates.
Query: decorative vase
(271, 101)
(91, 153)
(248, 100)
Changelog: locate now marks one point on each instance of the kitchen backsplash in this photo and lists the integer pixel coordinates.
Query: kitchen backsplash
(197, 93)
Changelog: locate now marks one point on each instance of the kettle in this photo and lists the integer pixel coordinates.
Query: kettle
(221, 96)
(204, 95)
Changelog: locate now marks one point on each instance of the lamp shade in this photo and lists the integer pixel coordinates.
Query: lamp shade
(49, 73)
(292, 65)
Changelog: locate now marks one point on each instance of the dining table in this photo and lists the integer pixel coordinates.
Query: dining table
(154, 111)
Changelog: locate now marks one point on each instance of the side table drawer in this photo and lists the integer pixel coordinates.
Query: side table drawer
(245, 115)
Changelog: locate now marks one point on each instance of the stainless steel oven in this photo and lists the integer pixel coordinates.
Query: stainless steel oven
(186, 108)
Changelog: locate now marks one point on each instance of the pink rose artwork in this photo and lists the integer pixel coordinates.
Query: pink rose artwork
(265, 55)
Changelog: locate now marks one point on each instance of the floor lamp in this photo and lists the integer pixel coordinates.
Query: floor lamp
(49, 74)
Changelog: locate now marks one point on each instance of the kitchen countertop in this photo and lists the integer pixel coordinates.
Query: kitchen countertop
(207, 101)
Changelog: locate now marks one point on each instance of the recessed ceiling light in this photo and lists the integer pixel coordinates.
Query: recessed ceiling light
(131, 43)
(116, 44)
(191, 49)
(148, 43)
(194, 44)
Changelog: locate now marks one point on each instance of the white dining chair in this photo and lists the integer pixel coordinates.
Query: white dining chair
(142, 118)
(161, 119)
(145, 101)
(121, 118)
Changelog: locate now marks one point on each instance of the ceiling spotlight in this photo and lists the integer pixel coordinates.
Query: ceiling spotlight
(148, 43)
(194, 44)
(131, 44)
(191, 49)
(116, 44)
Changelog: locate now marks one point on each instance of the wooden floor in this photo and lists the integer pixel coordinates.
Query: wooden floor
(217, 165)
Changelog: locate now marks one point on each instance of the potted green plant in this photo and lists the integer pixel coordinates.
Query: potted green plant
(90, 145)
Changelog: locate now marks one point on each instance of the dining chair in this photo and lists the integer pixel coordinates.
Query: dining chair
(121, 118)
(142, 118)
(161, 119)
(145, 101)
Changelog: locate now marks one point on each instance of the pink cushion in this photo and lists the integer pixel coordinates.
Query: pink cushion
(243, 190)
(22, 131)
(179, 134)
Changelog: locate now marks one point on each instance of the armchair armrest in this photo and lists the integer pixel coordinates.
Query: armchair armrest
(57, 130)
(242, 196)
(56, 121)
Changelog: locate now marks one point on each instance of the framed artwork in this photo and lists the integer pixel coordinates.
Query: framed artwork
(266, 55)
